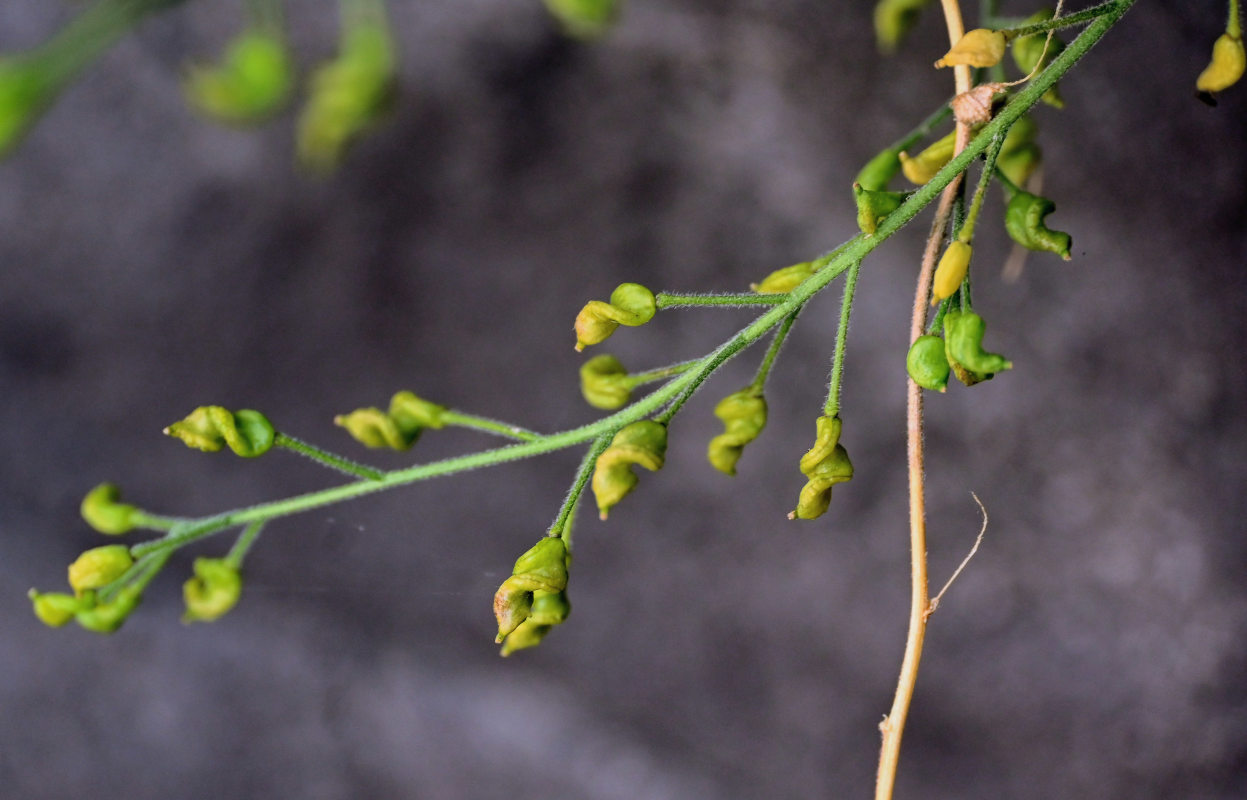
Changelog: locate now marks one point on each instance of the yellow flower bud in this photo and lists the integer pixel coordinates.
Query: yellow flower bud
(631, 304)
(921, 168)
(642, 443)
(744, 416)
(784, 280)
(209, 428)
(951, 271)
(104, 512)
(99, 567)
(213, 590)
(977, 48)
(54, 609)
(826, 464)
(1226, 68)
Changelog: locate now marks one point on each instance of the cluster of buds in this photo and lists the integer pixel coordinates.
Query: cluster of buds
(88, 574)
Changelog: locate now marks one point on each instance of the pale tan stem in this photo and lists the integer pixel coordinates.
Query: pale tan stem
(893, 725)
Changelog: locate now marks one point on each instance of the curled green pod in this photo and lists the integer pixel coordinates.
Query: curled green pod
(1028, 50)
(744, 416)
(880, 170)
(347, 96)
(963, 337)
(631, 304)
(926, 363)
(604, 382)
(824, 465)
(54, 609)
(922, 167)
(108, 617)
(98, 567)
(533, 599)
(894, 19)
(398, 428)
(1020, 156)
(584, 19)
(212, 591)
(209, 428)
(251, 83)
(103, 510)
(784, 280)
(874, 206)
(1024, 220)
(642, 443)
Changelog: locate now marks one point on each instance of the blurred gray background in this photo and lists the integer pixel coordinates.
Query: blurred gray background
(153, 262)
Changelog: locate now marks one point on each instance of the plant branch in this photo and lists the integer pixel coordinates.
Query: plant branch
(731, 300)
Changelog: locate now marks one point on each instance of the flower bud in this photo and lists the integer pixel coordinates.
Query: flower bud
(824, 465)
(251, 83)
(631, 304)
(533, 599)
(744, 416)
(643, 443)
(880, 170)
(1229, 59)
(963, 337)
(894, 19)
(604, 382)
(951, 271)
(108, 617)
(397, 429)
(104, 512)
(209, 428)
(977, 48)
(921, 168)
(99, 567)
(213, 590)
(584, 19)
(1028, 50)
(1024, 220)
(874, 206)
(926, 363)
(54, 609)
(784, 280)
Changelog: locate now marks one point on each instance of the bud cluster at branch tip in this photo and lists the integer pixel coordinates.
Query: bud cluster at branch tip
(209, 428)
(397, 429)
(534, 599)
(643, 443)
(630, 304)
(91, 571)
(252, 82)
(744, 416)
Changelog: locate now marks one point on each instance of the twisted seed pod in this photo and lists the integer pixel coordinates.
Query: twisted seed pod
(826, 464)
(894, 19)
(397, 429)
(874, 206)
(631, 304)
(1229, 60)
(922, 167)
(951, 271)
(1024, 220)
(604, 382)
(103, 510)
(744, 416)
(963, 337)
(977, 48)
(584, 19)
(927, 364)
(251, 83)
(784, 280)
(214, 590)
(643, 443)
(533, 599)
(209, 428)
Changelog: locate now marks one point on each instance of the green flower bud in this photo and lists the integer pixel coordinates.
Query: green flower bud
(209, 428)
(744, 416)
(921, 168)
(824, 465)
(108, 617)
(951, 271)
(1229, 61)
(926, 363)
(963, 337)
(631, 304)
(26, 89)
(397, 429)
(880, 170)
(977, 48)
(874, 206)
(251, 83)
(584, 18)
(533, 599)
(104, 512)
(99, 567)
(213, 590)
(604, 382)
(54, 609)
(1019, 155)
(1028, 50)
(643, 443)
(1024, 220)
(893, 20)
(347, 96)
(782, 281)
